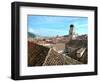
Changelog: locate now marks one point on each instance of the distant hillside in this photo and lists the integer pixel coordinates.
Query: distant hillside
(31, 35)
(65, 35)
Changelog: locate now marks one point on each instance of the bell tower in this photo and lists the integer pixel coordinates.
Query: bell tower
(72, 32)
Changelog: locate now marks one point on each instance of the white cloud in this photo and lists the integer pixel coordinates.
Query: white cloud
(31, 30)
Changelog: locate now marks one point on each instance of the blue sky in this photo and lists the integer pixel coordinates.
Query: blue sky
(56, 25)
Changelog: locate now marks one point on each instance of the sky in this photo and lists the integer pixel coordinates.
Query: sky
(56, 25)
